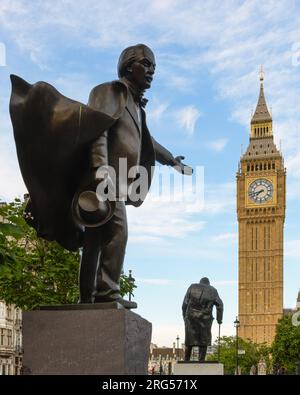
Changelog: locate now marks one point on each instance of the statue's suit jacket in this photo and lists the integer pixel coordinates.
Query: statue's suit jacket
(128, 138)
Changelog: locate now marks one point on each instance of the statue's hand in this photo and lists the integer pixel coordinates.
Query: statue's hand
(181, 167)
(103, 182)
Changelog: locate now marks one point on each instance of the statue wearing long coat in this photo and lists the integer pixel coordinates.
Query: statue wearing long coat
(197, 313)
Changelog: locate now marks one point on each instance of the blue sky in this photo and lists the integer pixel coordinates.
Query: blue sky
(208, 56)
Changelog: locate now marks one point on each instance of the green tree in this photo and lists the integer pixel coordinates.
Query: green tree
(252, 355)
(286, 345)
(33, 271)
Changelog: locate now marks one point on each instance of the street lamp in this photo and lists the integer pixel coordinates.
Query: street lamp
(237, 325)
(131, 280)
(177, 338)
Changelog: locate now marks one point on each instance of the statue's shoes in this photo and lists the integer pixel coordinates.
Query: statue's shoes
(127, 304)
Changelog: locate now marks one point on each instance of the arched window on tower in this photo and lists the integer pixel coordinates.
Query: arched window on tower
(260, 167)
(273, 166)
(269, 166)
(252, 168)
(265, 166)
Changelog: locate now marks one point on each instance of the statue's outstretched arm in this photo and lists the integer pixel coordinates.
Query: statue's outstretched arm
(165, 157)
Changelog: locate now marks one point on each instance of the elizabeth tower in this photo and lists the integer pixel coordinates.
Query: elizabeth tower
(261, 213)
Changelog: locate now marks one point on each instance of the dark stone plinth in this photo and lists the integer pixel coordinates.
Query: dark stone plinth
(93, 341)
(82, 306)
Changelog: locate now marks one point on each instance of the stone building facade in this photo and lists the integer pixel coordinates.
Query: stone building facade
(163, 359)
(10, 340)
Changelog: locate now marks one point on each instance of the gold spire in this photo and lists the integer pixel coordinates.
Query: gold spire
(261, 113)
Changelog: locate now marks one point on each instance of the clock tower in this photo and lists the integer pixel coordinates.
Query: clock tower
(261, 213)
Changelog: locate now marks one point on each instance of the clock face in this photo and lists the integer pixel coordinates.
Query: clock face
(260, 190)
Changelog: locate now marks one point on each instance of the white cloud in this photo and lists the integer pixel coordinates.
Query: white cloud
(219, 198)
(187, 118)
(226, 282)
(217, 145)
(164, 282)
(292, 248)
(159, 219)
(178, 82)
(225, 237)
(162, 219)
(293, 190)
(157, 110)
(144, 239)
(11, 183)
(74, 85)
(154, 281)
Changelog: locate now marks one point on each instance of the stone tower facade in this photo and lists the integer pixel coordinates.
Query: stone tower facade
(261, 197)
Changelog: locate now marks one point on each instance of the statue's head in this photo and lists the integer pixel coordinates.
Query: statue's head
(137, 64)
(205, 281)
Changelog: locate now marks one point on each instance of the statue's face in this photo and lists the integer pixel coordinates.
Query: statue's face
(142, 69)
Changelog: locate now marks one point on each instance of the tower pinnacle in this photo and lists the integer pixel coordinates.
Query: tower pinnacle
(261, 113)
(261, 74)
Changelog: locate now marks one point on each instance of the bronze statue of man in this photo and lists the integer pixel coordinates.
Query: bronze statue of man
(67, 149)
(197, 309)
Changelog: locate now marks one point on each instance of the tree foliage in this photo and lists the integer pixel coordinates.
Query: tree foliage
(252, 355)
(286, 345)
(33, 271)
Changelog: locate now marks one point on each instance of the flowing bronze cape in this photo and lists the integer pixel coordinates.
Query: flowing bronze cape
(53, 134)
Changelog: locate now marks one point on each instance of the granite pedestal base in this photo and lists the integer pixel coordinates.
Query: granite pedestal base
(85, 341)
(198, 368)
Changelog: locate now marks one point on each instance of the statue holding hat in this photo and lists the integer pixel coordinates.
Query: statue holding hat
(72, 158)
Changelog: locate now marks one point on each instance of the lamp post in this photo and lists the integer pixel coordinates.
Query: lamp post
(131, 280)
(237, 325)
(177, 338)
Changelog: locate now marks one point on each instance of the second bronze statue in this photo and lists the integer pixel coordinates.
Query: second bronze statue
(67, 149)
(197, 309)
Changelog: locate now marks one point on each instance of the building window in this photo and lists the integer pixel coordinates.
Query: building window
(8, 311)
(9, 337)
(256, 238)
(273, 166)
(2, 337)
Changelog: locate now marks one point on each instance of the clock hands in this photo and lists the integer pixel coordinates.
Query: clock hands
(256, 193)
